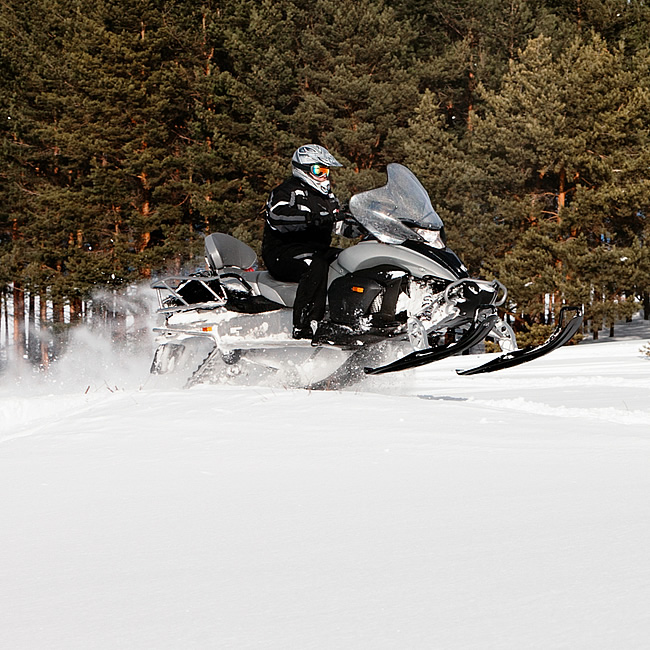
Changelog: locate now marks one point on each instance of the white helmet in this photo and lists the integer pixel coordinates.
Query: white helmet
(312, 163)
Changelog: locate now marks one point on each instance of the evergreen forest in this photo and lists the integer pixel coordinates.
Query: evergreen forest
(130, 130)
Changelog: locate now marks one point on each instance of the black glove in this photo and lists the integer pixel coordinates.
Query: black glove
(349, 227)
(344, 213)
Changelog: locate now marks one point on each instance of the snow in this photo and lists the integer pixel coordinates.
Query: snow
(418, 510)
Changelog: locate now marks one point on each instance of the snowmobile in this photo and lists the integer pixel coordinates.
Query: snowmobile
(400, 293)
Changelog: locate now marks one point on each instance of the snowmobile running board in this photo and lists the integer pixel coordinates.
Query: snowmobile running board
(226, 343)
(483, 323)
(562, 334)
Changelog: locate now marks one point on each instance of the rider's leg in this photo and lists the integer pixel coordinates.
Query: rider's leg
(311, 295)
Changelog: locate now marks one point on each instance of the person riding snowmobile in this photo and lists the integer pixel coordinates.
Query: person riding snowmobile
(300, 216)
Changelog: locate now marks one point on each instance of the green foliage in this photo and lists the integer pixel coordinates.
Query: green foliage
(131, 129)
(91, 157)
(549, 186)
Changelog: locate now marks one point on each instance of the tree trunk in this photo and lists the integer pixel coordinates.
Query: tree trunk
(561, 197)
(58, 320)
(594, 330)
(42, 331)
(32, 337)
(6, 319)
(76, 310)
(19, 320)
(470, 100)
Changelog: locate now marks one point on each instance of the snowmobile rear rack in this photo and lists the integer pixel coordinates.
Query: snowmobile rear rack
(171, 298)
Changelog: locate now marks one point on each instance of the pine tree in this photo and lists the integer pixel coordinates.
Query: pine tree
(239, 133)
(96, 191)
(309, 72)
(552, 139)
(437, 153)
(358, 86)
(104, 130)
(618, 22)
(464, 43)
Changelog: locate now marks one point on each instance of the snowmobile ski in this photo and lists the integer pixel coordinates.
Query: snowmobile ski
(485, 319)
(562, 334)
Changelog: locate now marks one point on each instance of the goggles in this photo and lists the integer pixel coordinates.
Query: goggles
(319, 170)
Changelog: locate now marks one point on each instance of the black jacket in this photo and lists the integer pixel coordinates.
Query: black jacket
(298, 214)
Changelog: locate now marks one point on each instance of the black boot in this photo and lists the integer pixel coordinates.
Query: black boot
(302, 333)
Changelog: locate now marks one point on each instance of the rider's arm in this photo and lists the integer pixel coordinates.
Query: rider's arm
(286, 210)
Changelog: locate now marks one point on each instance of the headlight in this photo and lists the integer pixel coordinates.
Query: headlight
(432, 237)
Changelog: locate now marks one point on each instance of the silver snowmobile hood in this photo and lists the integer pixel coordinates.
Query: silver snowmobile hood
(383, 211)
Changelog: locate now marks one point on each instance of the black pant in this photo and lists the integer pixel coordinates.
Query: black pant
(309, 268)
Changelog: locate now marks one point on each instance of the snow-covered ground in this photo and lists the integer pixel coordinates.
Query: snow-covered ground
(418, 511)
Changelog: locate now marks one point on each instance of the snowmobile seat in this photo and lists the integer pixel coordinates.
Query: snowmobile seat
(281, 292)
(223, 250)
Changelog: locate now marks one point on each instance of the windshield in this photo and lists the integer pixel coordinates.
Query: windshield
(403, 199)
